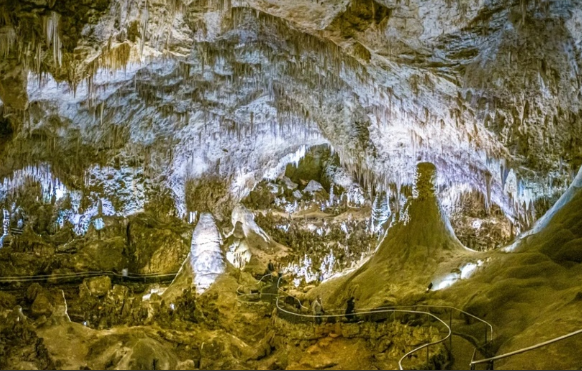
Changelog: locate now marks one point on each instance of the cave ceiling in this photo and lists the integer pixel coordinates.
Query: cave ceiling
(173, 91)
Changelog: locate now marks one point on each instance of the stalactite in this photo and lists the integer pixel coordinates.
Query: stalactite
(52, 36)
(488, 183)
(7, 40)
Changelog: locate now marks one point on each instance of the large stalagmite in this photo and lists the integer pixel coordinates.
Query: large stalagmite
(419, 246)
(206, 261)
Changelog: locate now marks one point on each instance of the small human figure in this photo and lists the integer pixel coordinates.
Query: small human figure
(429, 287)
(271, 267)
(317, 308)
(350, 309)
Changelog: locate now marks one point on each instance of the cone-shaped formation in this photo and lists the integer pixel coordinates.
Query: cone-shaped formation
(421, 231)
(419, 246)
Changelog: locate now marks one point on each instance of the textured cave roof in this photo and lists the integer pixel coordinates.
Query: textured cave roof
(488, 90)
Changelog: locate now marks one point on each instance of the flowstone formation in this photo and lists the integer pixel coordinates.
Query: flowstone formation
(532, 295)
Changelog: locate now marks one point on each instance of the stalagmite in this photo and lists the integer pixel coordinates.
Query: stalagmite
(5, 226)
(205, 261)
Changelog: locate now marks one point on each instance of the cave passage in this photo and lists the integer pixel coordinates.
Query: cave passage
(274, 184)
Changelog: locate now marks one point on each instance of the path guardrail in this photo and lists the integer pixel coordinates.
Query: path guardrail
(90, 274)
(491, 361)
(375, 314)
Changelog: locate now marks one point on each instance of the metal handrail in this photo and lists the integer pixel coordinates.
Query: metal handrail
(395, 309)
(279, 308)
(490, 337)
(258, 283)
(524, 350)
(81, 274)
(241, 295)
(427, 345)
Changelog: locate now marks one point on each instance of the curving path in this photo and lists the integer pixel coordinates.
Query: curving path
(371, 314)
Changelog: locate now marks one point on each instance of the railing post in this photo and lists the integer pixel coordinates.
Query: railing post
(428, 322)
(451, 337)
(427, 366)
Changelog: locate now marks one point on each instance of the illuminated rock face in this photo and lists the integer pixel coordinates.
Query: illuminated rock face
(249, 226)
(232, 88)
(206, 259)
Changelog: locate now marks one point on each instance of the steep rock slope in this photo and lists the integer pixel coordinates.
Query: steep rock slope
(533, 294)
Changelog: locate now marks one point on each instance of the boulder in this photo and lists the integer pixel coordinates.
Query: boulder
(98, 286)
(187, 365)
(214, 354)
(149, 354)
(313, 186)
(42, 305)
(155, 248)
(350, 330)
(262, 196)
(32, 291)
(118, 294)
(99, 255)
(84, 292)
(289, 184)
(7, 300)
(60, 313)
(274, 188)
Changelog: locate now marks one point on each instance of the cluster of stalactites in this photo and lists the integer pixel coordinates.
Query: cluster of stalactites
(53, 38)
(380, 211)
(516, 197)
(50, 185)
(7, 40)
(33, 52)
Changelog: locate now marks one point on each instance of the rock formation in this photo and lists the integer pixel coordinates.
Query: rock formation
(419, 247)
(205, 261)
(390, 150)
